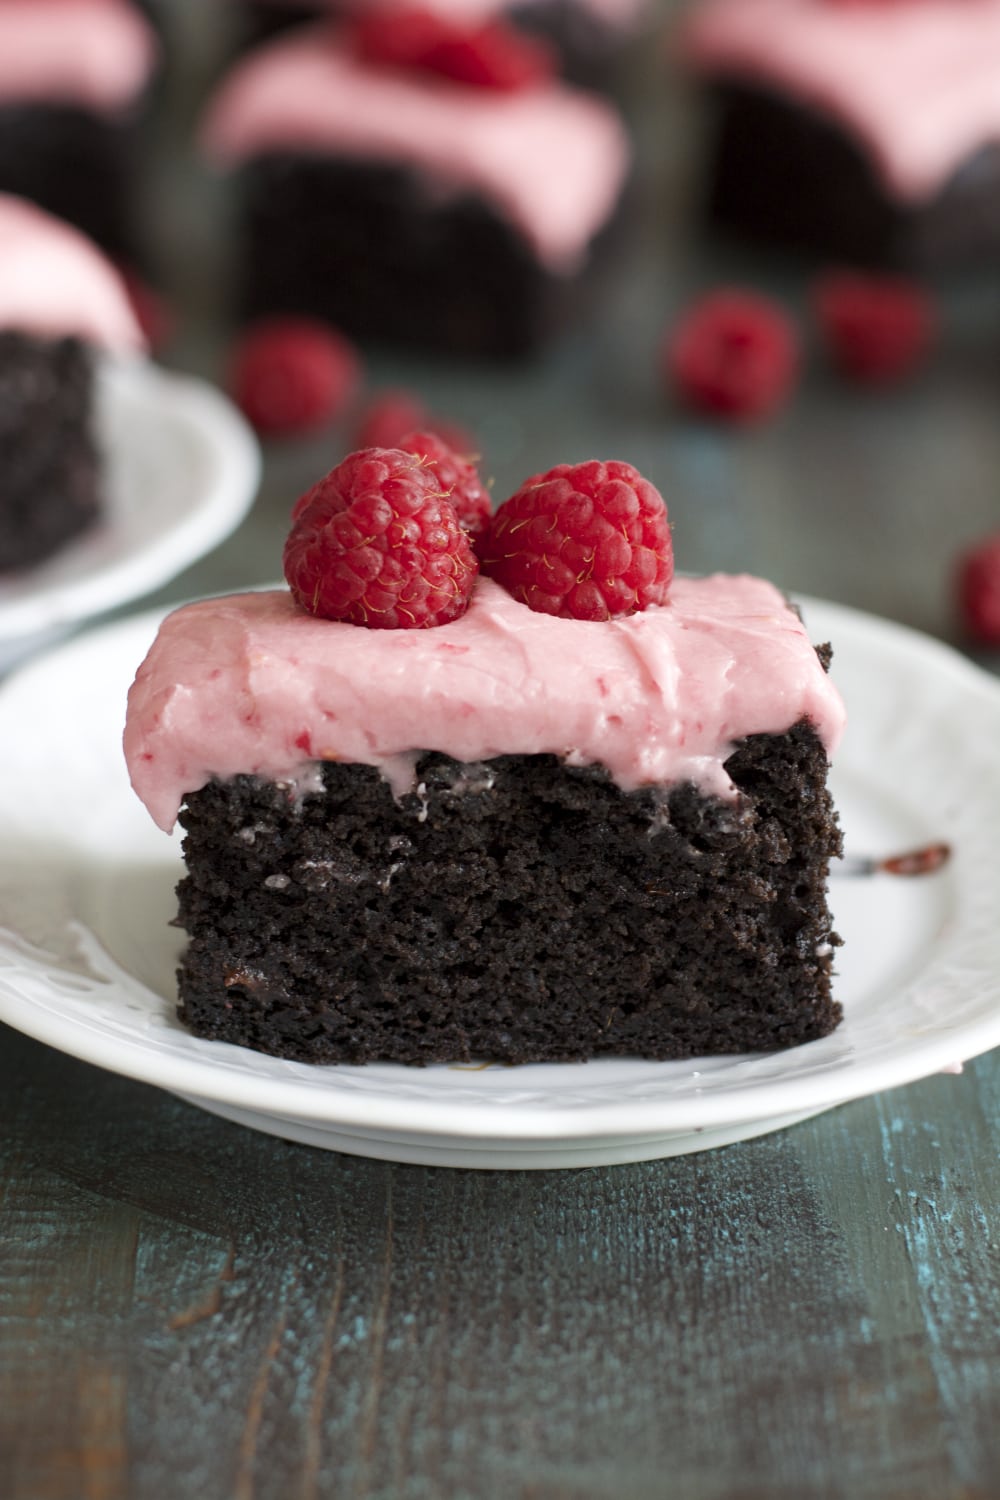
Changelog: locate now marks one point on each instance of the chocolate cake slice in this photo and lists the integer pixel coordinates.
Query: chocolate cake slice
(73, 79)
(61, 307)
(407, 207)
(866, 133)
(512, 837)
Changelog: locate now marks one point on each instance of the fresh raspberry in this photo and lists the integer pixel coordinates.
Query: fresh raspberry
(978, 589)
(376, 543)
(585, 541)
(734, 354)
(457, 477)
(394, 413)
(491, 55)
(878, 328)
(152, 311)
(292, 375)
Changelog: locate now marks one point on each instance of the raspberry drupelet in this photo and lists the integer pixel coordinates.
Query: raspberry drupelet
(457, 476)
(378, 543)
(586, 541)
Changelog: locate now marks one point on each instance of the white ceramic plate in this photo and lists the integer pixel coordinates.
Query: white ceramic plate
(86, 961)
(182, 469)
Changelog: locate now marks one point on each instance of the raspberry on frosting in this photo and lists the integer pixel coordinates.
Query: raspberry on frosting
(490, 55)
(377, 543)
(292, 375)
(877, 328)
(733, 355)
(457, 476)
(586, 541)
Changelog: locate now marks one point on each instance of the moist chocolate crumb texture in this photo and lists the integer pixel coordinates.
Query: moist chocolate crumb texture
(60, 304)
(404, 206)
(514, 836)
(866, 131)
(73, 74)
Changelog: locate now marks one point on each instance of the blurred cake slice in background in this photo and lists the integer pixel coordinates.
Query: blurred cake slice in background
(406, 204)
(61, 305)
(74, 75)
(861, 131)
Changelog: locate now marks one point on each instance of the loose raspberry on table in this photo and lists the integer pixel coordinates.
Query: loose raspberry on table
(292, 375)
(376, 543)
(734, 354)
(978, 590)
(876, 328)
(392, 414)
(457, 477)
(586, 541)
(491, 55)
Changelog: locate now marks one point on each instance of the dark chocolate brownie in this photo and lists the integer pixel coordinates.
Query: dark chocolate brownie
(49, 466)
(783, 174)
(516, 910)
(76, 164)
(363, 245)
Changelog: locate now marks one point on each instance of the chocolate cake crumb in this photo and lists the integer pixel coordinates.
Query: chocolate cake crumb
(49, 466)
(516, 910)
(782, 173)
(367, 247)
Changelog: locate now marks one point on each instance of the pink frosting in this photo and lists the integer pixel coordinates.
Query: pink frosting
(917, 84)
(54, 282)
(551, 159)
(98, 53)
(252, 684)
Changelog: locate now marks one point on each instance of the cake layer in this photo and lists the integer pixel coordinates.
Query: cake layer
(515, 910)
(550, 160)
(782, 173)
(49, 467)
(54, 282)
(916, 85)
(98, 54)
(375, 251)
(252, 684)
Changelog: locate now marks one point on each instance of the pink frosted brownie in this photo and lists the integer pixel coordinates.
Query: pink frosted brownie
(513, 836)
(60, 303)
(404, 205)
(73, 78)
(861, 130)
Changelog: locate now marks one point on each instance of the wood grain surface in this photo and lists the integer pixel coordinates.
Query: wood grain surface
(191, 1309)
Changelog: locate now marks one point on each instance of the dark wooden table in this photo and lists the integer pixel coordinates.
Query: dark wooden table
(191, 1309)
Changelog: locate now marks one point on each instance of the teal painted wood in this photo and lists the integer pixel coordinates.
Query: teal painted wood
(187, 1308)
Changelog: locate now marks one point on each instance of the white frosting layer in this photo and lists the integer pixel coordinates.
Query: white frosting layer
(917, 83)
(97, 53)
(55, 282)
(252, 684)
(550, 159)
(611, 13)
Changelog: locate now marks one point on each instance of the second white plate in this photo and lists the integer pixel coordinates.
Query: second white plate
(87, 959)
(182, 469)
